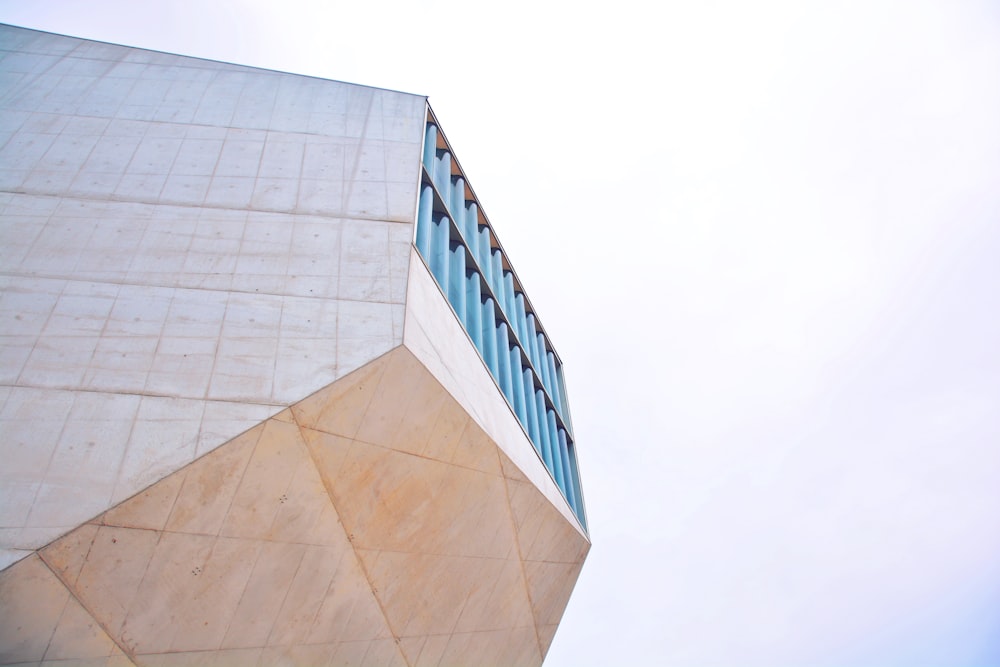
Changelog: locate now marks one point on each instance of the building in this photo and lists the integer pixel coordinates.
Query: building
(271, 391)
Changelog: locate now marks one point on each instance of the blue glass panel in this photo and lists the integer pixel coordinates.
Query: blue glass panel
(557, 462)
(570, 478)
(517, 380)
(441, 251)
(531, 409)
(508, 337)
(474, 310)
(553, 382)
(456, 281)
(442, 174)
(509, 298)
(519, 316)
(424, 223)
(497, 275)
(571, 450)
(532, 341)
(485, 256)
(543, 429)
(457, 203)
(472, 228)
(503, 361)
(490, 337)
(430, 147)
(543, 363)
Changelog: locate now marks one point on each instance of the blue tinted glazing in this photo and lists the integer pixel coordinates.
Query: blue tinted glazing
(543, 430)
(489, 303)
(485, 263)
(490, 337)
(456, 282)
(430, 147)
(424, 217)
(517, 381)
(503, 360)
(474, 310)
(531, 409)
(557, 462)
(472, 228)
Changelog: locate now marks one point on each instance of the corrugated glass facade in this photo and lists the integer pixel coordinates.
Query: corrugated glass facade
(468, 263)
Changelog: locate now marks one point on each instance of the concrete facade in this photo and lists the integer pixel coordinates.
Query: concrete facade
(240, 423)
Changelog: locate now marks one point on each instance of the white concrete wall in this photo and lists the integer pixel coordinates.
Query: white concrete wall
(187, 247)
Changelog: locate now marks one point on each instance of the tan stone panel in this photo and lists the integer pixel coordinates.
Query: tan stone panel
(281, 496)
(210, 484)
(321, 573)
(477, 451)
(546, 633)
(115, 564)
(525, 649)
(119, 659)
(404, 407)
(510, 470)
(448, 428)
(517, 647)
(149, 508)
(40, 618)
(146, 627)
(380, 653)
(366, 653)
(340, 407)
(424, 651)
(478, 596)
(285, 416)
(549, 588)
(80, 638)
(262, 599)
(67, 555)
(176, 592)
(400, 502)
(164, 595)
(233, 658)
(432, 607)
(499, 600)
(349, 610)
(31, 601)
(314, 655)
(209, 592)
(543, 533)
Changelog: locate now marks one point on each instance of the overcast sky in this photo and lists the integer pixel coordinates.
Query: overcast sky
(765, 239)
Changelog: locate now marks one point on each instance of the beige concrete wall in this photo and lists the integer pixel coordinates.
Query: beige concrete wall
(373, 523)
(239, 423)
(189, 247)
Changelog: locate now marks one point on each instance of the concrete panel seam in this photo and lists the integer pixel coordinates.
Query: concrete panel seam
(350, 539)
(520, 557)
(357, 155)
(72, 593)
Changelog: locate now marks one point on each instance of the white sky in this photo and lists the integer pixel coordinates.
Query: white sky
(765, 238)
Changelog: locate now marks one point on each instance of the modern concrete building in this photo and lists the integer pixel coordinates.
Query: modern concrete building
(270, 390)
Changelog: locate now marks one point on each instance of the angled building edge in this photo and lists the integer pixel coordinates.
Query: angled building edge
(372, 523)
(189, 247)
(171, 497)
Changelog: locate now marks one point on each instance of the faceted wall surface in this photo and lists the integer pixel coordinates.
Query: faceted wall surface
(239, 422)
(188, 248)
(373, 523)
